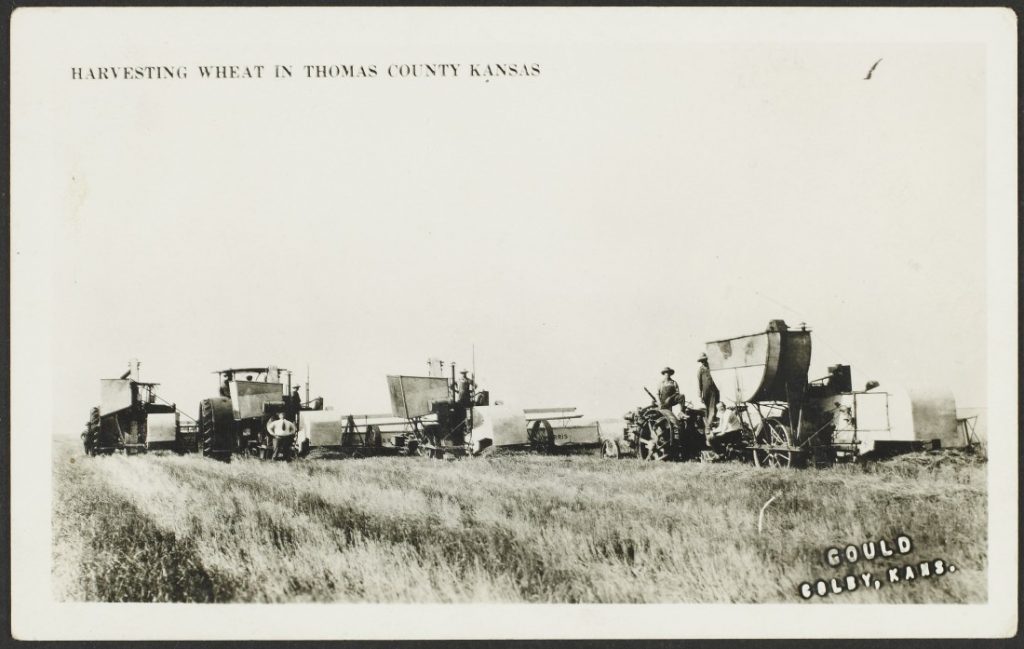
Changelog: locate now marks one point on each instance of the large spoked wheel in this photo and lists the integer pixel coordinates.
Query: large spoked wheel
(610, 450)
(652, 440)
(774, 448)
(541, 436)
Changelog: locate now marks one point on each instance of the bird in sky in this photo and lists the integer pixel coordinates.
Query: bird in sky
(872, 69)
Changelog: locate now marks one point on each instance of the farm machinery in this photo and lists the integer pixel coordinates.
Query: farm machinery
(254, 414)
(452, 419)
(443, 417)
(440, 414)
(430, 415)
(771, 414)
(129, 419)
(555, 430)
(656, 433)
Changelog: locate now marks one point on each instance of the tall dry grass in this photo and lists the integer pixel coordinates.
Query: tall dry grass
(510, 528)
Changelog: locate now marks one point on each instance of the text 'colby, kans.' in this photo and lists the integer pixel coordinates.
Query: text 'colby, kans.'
(870, 551)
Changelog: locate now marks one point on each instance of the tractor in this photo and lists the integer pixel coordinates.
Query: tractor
(236, 421)
(654, 433)
(129, 420)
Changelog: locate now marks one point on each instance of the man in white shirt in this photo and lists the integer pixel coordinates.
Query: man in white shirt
(282, 434)
(728, 424)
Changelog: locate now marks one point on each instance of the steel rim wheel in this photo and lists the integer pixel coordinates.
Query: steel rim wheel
(652, 442)
(772, 433)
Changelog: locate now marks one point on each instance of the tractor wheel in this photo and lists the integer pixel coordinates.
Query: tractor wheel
(541, 436)
(652, 440)
(207, 429)
(773, 435)
(91, 437)
(610, 450)
(216, 436)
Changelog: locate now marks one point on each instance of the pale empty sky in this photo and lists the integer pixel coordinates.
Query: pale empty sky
(652, 189)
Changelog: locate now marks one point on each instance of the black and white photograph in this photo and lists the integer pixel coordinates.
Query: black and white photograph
(507, 322)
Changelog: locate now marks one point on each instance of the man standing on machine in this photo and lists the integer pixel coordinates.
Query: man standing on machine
(708, 391)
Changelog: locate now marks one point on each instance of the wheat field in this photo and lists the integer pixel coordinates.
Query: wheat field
(505, 528)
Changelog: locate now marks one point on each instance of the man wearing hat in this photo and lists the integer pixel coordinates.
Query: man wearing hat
(293, 404)
(668, 390)
(465, 395)
(708, 391)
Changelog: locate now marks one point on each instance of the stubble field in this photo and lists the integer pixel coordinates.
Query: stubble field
(506, 528)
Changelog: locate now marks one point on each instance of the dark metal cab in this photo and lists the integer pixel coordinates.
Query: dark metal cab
(129, 419)
(236, 421)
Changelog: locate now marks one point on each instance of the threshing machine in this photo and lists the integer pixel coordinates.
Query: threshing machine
(772, 415)
(129, 419)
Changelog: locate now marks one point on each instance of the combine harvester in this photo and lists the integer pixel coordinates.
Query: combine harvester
(775, 416)
(429, 416)
(129, 420)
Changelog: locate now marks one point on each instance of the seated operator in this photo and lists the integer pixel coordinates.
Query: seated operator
(668, 393)
(729, 425)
